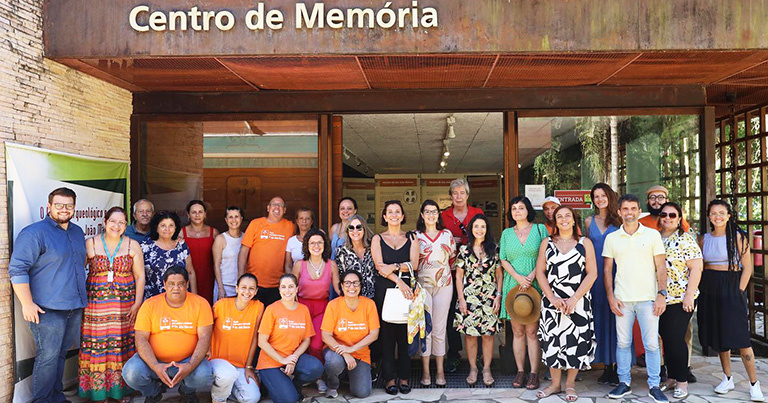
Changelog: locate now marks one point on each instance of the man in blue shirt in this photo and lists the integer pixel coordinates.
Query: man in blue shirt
(143, 210)
(47, 272)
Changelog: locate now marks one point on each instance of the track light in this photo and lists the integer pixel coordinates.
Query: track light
(446, 151)
(450, 133)
(443, 163)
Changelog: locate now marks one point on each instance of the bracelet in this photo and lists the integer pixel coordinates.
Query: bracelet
(249, 366)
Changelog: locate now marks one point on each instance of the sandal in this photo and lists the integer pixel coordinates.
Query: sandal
(426, 381)
(519, 380)
(548, 391)
(472, 377)
(487, 377)
(440, 381)
(533, 381)
(571, 397)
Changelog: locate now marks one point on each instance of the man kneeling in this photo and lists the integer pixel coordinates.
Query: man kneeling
(173, 332)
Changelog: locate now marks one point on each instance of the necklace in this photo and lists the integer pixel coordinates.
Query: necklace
(523, 231)
(318, 270)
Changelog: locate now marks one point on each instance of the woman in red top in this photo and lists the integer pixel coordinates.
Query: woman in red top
(199, 238)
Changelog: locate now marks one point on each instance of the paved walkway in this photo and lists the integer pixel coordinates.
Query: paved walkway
(707, 369)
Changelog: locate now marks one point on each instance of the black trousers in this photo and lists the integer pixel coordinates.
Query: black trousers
(673, 324)
(392, 337)
(453, 337)
(268, 295)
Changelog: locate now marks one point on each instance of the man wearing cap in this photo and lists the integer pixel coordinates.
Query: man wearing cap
(656, 196)
(640, 292)
(550, 204)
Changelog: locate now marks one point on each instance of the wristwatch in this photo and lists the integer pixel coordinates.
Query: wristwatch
(663, 293)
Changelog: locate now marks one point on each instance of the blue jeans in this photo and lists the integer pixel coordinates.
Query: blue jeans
(54, 335)
(649, 327)
(139, 376)
(359, 378)
(284, 390)
(230, 381)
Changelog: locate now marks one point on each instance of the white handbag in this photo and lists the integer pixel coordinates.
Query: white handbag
(396, 306)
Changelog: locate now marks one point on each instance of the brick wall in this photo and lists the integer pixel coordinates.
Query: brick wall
(45, 104)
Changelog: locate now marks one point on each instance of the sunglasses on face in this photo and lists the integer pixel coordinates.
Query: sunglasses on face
(358, 227)
(664, 214)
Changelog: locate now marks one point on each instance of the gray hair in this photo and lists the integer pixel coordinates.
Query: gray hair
(458, 182)
(142, 201)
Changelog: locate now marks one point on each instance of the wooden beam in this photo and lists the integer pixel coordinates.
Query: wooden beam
(511, 160)
(391, 101)
(324, 169)
(707, 151)
(337, 143)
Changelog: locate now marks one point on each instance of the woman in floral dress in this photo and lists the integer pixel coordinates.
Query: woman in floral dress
(478, 283)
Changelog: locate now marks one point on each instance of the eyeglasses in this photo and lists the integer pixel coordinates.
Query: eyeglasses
(63, 206)
(119, 223)
(657, 197)
(277, 205)
(351, 283)
(430, 212)
(358, 227)
(319, 243)
(664, 214)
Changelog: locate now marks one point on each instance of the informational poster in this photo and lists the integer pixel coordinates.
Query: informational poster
(364, 193)
(398, 187)
(32, 173)
(536, 194)
(435, 187)
(485, 193)
(579, 199)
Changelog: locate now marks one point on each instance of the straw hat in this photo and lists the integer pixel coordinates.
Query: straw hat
(523, 307)
(657, 188)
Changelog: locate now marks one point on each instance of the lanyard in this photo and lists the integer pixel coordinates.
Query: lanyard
(111, 256)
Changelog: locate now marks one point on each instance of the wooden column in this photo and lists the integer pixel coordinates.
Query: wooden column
(707, 151)
(511, 160)
(337, 139)
(324, 170)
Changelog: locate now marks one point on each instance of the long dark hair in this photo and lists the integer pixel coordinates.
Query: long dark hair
(489, 245)
(421, 226)
(679, 214)
(575, 222)
(612, 217)
(732, 232)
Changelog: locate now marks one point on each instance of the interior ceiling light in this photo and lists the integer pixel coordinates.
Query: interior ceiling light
(446, 151)
(346, 154)
(450, 133)
(443, 163)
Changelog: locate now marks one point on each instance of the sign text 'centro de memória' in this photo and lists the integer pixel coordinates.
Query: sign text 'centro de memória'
(144, 19)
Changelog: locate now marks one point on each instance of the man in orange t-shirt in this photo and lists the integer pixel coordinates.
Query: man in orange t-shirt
(350, 325)
(262, 252)
(173, 333)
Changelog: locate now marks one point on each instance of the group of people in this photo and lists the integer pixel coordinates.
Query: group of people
(156, 304)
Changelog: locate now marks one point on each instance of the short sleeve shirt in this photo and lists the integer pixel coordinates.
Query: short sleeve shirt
(234, 330)
(349, 327)
(635, 268)
(680, 248)
(267, 256)
(157, 260)
(286, 330)
(173, 331)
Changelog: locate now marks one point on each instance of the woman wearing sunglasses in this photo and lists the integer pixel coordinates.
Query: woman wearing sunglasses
(349, 326)
(684, 266)
(356, 254)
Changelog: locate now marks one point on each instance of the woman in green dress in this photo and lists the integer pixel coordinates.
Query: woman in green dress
(518, 250)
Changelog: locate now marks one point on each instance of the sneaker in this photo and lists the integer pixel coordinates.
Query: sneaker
(725, 386)
(322, 387)
(620, 391)
(452, 365)
(332, 393)
(680, 393)
(657, 395)
(755, 394)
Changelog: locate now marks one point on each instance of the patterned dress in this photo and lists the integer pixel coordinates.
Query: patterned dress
(157, 260)
(567, 341)
(479, 291)
(347, 259)
(521, 257)
(680, 248)
(107, 336)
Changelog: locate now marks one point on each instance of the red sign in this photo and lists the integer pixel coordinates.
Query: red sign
(574, 198)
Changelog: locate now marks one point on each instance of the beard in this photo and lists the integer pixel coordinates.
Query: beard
(654, 211)
(60, 221)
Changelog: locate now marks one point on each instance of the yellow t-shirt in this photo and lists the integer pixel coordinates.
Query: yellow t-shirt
(635, 269)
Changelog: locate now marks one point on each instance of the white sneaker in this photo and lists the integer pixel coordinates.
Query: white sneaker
(322, 387)
(755, 394)
(332, 393)
(725, 386)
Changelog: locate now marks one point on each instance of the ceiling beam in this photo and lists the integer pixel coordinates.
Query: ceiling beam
(378, 101)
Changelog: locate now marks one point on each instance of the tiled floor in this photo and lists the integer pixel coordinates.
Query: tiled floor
(707, 369)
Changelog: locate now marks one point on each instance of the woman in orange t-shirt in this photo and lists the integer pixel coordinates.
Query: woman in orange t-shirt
(233, 344)
(284, 335)
(349, 326)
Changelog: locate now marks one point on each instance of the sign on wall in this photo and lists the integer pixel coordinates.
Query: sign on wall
(32, 173)
(580, 199)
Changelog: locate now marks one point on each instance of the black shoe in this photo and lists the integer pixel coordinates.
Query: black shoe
(547, 376)
(452, 365)
(691, 376)
(640, 360)
(663, 373)
(405, 388)
(620, 391)
(189, 397)
(391, 389)
(578, 377)
(605, 378)
(154, 399)
(374, 375)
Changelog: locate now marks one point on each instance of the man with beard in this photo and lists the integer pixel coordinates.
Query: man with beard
(47, 272)
(656, 196)
(142, 215)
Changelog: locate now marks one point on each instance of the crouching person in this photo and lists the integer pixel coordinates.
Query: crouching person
(349, 326)
(173, 333)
